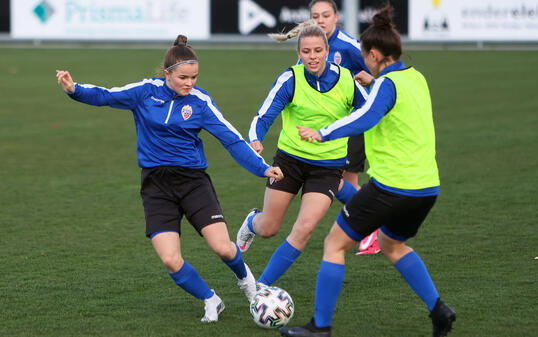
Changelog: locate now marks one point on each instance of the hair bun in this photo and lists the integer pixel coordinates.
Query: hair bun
(181, 40)
(383, 18)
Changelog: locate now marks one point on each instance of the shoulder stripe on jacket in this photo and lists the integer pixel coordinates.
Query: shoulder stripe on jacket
(204, 97)
(346, 38)
(155, 82)
(268, 101)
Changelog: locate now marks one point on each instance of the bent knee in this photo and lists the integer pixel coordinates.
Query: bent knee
(269, 228)
(172, 263)
(225, 249)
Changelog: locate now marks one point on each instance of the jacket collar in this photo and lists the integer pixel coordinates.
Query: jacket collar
(395, 66)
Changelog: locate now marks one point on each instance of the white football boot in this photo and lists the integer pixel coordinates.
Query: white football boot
(245, 236)
(248, 284)
(213, 307)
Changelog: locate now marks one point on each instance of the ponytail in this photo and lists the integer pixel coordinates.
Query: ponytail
(293, 32)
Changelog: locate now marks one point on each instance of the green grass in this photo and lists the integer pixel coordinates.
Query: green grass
(74, 260)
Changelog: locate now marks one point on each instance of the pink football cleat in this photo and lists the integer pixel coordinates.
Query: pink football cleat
(369, 245)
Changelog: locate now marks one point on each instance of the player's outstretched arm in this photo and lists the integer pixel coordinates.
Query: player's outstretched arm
(65, 80)
(308, 134)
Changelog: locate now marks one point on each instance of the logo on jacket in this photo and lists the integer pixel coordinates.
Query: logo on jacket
(186, 112)
(337, 58)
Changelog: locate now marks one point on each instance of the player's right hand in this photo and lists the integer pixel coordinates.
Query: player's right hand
(257, 146)
(275, 173)
(65, 80)
(309, 135)
(364, 78)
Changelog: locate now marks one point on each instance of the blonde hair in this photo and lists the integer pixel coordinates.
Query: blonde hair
(281, 37)
(309, 31)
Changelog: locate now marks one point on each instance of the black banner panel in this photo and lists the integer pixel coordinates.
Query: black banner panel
(261, 17)
(257, 16)
(401, 10)
(4, 16)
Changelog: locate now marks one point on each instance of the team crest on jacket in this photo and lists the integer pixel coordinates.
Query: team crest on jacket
(337, 58)
(186, 112)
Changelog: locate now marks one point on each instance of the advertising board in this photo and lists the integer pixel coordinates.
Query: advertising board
(109, 19)
(471, 20)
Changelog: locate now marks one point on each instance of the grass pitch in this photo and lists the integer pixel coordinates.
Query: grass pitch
(74, 260)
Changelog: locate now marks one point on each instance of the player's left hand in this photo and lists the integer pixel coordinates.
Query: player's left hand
(308, 134)
(274, 172)
(65, 80)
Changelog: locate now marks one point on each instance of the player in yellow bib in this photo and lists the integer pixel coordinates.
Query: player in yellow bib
(314, 93)
(400, 146)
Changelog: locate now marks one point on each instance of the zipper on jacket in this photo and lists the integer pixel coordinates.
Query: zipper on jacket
(170, 109)
(317, 82)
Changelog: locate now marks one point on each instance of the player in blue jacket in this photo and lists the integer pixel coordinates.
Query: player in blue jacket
(169, 114)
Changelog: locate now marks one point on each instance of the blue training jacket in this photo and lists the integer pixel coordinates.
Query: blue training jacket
(167, 125)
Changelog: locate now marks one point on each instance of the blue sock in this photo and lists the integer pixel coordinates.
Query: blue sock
(416, 275)
(237, 265)
(189, 279)
(328, 286)
(249, 222)
(282, 259)
(346, 192)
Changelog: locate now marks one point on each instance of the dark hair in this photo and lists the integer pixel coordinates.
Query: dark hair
(330, 2)
(180, 51)
(382, 34)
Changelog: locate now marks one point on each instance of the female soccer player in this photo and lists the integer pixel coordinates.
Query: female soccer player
(400, 147)
(169, 114)
(313, 93)
(345, 51)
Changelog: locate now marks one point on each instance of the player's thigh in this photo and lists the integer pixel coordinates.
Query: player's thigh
(336, 245)
(167, 245)
(275, 205)
(218, 239)
(314, 206)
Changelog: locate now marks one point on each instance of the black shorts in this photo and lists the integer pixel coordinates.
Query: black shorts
(168, 193)
(311, 177)
(356, 156)
(371, 207)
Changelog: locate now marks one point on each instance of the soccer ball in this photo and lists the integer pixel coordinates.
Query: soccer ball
(271, 308)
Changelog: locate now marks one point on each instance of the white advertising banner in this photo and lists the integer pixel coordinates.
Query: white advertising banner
(110, 19)
(469, 20)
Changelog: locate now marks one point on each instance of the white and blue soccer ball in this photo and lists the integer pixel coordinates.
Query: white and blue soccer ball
(272, 307)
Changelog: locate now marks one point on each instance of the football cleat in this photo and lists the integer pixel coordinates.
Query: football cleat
(369, 244)
(248, 284)
(308, 330)
(442, 317)
(213, 307)
(245, 236)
